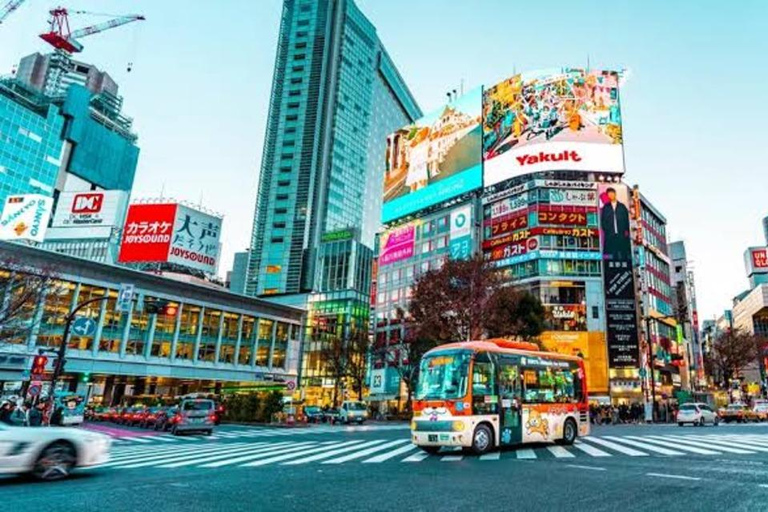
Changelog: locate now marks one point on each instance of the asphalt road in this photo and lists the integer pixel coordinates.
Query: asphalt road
(626, 467)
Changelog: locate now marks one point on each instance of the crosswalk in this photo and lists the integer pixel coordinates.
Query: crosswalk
(298, 452)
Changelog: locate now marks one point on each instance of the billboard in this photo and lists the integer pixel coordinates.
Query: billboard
(618, 277)
(756, 260)
(460, 244)
(82, 211)
(25, 217)
(566, 119)
(171, 233)
(436, 158)
(397, 244)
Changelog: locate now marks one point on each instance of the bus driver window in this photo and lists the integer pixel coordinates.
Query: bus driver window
(484, 399)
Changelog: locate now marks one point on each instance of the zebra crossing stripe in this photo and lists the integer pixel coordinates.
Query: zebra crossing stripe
(338, 451)
(613, 446)
(136, 439)
(166, 439)
(645, 446)
(590, 450)
(125, 452)
(560, 452)
(526, 454)
(286, 456)
(366, 452)
(491, 456)
(678, 445)
(224, 454)
(416, 457)
(452, 458)
(263, 453)
(718, 445)
(389, 455)
(177, 457)
(737, 441)
(130, 459)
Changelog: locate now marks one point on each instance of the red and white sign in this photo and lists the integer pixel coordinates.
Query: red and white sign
(90, 209)
(171, 233)
(756, 260)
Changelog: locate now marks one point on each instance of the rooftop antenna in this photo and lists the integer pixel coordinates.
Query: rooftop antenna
(462, 87)
(587, 62)
(162, 191)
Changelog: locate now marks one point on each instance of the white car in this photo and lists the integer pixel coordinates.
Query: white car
(50, 453)
(697, 414)
(353, 411)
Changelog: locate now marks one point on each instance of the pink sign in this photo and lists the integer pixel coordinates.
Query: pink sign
(397, 245)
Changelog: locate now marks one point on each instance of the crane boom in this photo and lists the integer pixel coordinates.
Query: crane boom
(8, 8)
(101, 27)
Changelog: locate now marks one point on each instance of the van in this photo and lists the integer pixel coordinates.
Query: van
(195, 415)
(353, 411)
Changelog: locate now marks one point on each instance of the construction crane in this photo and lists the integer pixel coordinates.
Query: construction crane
(8, 8)
(60, 37)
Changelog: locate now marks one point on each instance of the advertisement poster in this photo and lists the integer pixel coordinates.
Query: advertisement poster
(756, 260)
(397, 244)
(195, 240)
(552, 120)
(618, 277)
(461, 233)
(85, 210)
(434, 159)
(25, 217)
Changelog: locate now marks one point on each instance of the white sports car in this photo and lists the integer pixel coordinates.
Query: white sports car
(50, 453)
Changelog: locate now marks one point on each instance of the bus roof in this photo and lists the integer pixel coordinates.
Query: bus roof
(504, 347)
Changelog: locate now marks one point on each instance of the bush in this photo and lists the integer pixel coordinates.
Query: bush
(273, 403)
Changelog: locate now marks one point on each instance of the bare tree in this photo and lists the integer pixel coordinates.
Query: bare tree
(335, 355)
(22, 288)
(733, 351)
(358, 355)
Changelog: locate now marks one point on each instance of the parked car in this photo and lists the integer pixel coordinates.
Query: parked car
(761, 411)
(352, 410)
(331, 416)
(148, 417)
(313, 414)
(195, 415)
(734, 412)
(165, 418)
(50, 453)
(698, 414)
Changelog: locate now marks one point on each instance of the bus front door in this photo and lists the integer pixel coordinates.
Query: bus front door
(511, 404)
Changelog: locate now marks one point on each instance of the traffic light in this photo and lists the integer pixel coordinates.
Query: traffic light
(161, 307)
(86, 377)
(38, 364)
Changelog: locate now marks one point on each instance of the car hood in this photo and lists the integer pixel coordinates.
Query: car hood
(35, 434)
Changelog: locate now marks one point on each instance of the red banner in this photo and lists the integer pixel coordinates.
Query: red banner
(147, 233)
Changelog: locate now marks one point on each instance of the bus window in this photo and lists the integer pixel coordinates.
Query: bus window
(551, 385)
(509, 382)
(443, 376)
(484, 397)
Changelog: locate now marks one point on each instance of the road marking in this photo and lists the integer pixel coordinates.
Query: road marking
(146, 458)
(591, 450)
(593, 468)
(526, 454)
(191, 456)
(676, 477)
(719, 445)
(416, 457)
(280, 458)
(560, 452)
(224, 454)
(325, 455)
(252, 456)
(165, 439)
(138, 440)
(491, 456)
(369, 451)
(452, 458)
(392, 454)
(644, 446)
(130, 454)
(169, 457)
(764, 486)
(616, 447)
(679, 445)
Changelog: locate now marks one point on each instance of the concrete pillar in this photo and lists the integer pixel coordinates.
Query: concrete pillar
(126, 330)
(199, 334)
(218, 338)
(99, 327)
(239, 339)
(272, 343)
(36, 321)
(256, 326)
(150, 336)
(175, 341)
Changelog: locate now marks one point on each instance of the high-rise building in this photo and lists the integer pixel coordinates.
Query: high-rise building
(336, 94)
(765, 228)
(686, 310)
(236, 277)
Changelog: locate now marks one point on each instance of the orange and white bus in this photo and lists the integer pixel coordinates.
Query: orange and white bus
(488, 394)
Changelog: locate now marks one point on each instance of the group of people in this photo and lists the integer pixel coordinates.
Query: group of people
(613, 415)
(22, 414)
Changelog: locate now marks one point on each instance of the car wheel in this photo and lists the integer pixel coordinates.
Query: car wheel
(55, 462)
(679, 423)
(208, 432)
(717, 421)
(569, 432)
(430, 449)
(174, 431)
(482, 440)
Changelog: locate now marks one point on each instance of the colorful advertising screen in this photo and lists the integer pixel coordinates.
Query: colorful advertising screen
(567, 119)
(397, 244)
(434, 159)
(25, 217)
(618, 277)
(171, 233)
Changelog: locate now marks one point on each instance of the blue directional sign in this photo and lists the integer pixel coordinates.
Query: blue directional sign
(83, 326)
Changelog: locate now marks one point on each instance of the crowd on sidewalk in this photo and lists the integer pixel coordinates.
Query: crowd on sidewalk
(628, 414)
(22, 414)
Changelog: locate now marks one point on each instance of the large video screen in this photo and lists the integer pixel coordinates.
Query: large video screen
(434, 159)
(566, 119)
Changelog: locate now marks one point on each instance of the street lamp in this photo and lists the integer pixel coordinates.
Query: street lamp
(652, 358)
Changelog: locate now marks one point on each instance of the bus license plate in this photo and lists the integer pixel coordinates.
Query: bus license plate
(444, 437)
(432, 438)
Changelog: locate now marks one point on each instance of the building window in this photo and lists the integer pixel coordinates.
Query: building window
(264, 342)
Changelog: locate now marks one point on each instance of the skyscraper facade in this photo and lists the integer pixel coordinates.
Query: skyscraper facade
(336, 94)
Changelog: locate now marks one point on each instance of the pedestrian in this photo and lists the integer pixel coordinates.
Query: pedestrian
(19, 416)
(57, 416)
(614, 415)
(5, 412)
(35, 415)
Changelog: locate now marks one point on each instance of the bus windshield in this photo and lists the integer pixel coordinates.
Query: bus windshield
(443, 376)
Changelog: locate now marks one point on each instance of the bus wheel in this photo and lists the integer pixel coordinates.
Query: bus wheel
(569, 432)
(482, 440)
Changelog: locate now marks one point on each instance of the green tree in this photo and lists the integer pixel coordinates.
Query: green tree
(273, 403)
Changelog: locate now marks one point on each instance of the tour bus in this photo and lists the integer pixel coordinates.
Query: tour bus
(488, 394)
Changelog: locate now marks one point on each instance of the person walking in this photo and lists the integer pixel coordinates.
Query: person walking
(34, 416)
(19, 416)
(5, 413)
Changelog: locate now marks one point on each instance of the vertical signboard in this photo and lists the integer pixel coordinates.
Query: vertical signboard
(397, 244)
(195, 241)
(25, 217)
(756, 260)
(147, 233)
(618, 277)
(461, 233)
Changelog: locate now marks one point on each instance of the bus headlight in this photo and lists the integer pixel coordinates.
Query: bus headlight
(457, 426)
(413, 425)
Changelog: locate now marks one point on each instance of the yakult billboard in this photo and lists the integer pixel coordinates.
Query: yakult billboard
(171, 233)
(566, 119)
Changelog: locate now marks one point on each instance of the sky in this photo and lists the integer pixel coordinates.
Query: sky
(693, 108)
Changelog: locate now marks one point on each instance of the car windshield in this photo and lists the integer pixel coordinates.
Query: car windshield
(198, 405)
(443, 375)
(311, 410)
(356, 406)
(688, 407)
(735, 407)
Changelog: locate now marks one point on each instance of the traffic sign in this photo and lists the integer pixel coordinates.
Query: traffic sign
(290, 385)
(124, 298)
(35, 387)
(83, 326)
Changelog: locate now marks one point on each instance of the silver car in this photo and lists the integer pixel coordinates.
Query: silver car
(195, 415)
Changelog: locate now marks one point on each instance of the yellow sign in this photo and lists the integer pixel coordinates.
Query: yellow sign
(590, 346)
